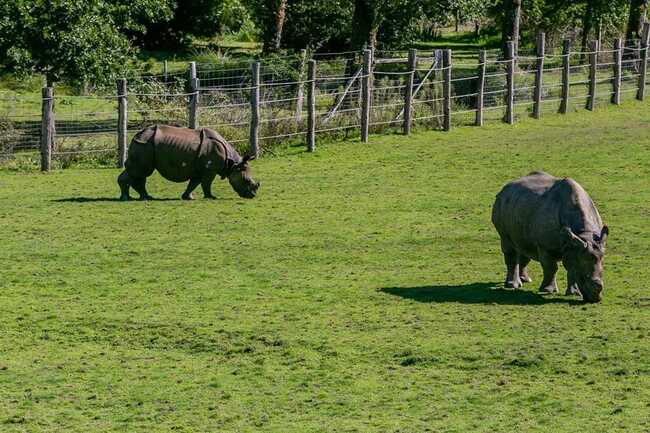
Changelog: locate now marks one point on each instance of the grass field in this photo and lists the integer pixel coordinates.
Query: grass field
(360, 292)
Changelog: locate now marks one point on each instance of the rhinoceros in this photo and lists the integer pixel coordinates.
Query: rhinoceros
(548, 219)
(182, 154)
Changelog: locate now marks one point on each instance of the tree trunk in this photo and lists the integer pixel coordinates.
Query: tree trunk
(587, 24)
(365, 22)
(510, 31)
(279, 23)
(277, 10)
(457, 19)
(638, 9)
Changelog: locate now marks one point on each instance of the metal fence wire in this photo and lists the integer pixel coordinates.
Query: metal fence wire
(346, 96)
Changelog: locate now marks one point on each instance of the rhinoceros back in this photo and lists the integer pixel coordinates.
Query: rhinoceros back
(175, 152)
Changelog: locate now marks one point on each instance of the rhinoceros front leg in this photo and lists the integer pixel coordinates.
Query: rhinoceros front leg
(523, 270)
(549, 266)
(572, 285)
(206, 185)
(187, 195)
(510, 256)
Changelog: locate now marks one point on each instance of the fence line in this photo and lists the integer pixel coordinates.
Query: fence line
(370, 96)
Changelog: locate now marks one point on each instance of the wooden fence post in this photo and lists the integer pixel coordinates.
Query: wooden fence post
(566, 75)
(618, 71)
(255, 109)
(47, 128)
(365, 94)
(539, 75)
(165, 71)
(194, 103)
(408, 93)
(593, 67)
(301, 85)
(510, 81)
(643, 67)
(191, 72)
(311, 106)
(122, 121)
(480, 97)
(446, 90)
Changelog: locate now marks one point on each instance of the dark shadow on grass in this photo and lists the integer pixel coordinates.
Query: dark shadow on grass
(104, 199)
(476, 293)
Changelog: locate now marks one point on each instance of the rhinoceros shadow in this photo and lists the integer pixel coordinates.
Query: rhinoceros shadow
(105, 199)
(476, 293)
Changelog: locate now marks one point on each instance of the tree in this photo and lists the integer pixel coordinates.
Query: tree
(74, 40)
(202, 18)
(511, 25)
(269, 16)
(636, 17)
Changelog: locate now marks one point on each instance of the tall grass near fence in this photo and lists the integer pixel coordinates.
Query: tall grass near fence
(353, 94)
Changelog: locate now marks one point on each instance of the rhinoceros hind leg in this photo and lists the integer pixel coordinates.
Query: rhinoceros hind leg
(549, 266)
(187, 195)
(523, 270)
(513, 280)
(140, 185)
(124, 181)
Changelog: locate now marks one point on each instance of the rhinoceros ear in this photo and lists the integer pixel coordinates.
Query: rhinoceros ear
(248, 158)
(603, 235)
(571, 239)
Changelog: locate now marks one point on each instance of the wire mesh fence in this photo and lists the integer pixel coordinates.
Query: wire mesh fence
(87, 126)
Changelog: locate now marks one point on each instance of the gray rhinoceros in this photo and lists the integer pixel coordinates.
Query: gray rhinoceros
(182, 154)
(549, 219)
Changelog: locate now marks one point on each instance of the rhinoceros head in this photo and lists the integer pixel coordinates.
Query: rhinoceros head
(240, 178)
(583, 259)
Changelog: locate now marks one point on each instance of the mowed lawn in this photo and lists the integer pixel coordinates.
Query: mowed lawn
(360, 292)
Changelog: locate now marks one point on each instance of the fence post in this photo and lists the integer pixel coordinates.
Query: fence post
(643, 67)
(122, 121)
(365, 94)
(165, 71)
(194, 103)
(593, 63)
(301, 85)
(255, 109)
(408, 91)
(510, 92)
(311, 106)
(192, 72)
(480, 97)
(566, 75)
(539, 75)
(446, 90)
(618, 71)
(47, 128)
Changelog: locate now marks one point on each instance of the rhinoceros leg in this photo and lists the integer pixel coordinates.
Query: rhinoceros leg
(187, 195)
(140, 185)
(512, 266)
(523, 270)
(124, 181)
(206, 185)
(549, 266)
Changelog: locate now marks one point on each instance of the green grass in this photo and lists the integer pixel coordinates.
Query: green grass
(360, 292)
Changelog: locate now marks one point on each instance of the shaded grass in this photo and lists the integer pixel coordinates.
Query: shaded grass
(357, 293)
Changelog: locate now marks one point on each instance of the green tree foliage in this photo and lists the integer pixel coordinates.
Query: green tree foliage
(318, 25)
(195, 18)
(74, 40)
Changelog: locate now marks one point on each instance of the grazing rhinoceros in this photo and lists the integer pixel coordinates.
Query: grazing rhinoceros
(548, 219)
(182, 154)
